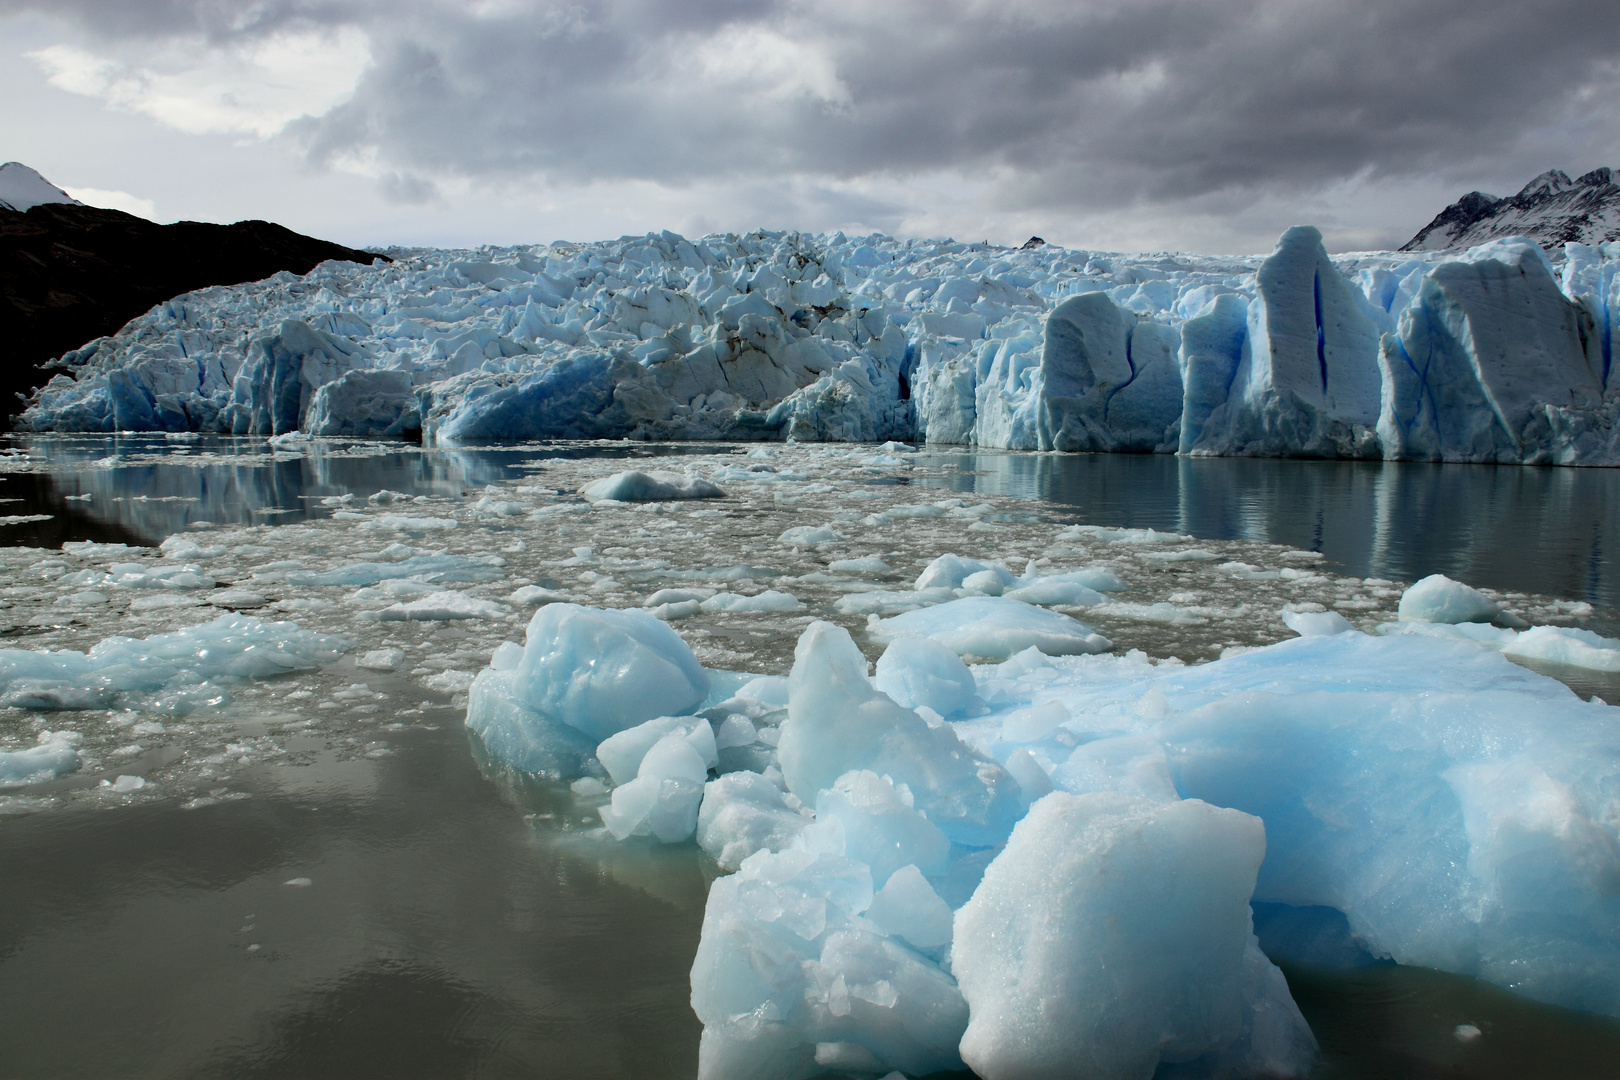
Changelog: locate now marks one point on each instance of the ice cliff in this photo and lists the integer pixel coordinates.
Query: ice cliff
(1501, 353)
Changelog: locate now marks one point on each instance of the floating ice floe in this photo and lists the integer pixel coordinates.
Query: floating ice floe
(1440, 607)
(56, 754)
(585, 674)
(172, 670)
(1438, 599)
(1497, 354)
(633, 485)
(994, 628)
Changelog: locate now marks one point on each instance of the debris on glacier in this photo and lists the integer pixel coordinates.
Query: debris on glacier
(1501, 353)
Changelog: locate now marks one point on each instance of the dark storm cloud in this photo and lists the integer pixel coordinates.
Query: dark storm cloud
(1082, 106)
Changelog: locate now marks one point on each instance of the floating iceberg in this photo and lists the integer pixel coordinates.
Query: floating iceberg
(1499, 354)
(994, 628)
(913, 893)
(633, 485)
(1438, 599)
(169, 671)
(592, 672)
(55, 755)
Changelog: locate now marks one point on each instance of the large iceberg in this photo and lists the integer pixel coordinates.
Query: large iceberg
(1500, 353)
(1063, 869)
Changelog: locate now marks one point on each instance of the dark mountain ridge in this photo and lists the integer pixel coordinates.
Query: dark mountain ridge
(71, 273)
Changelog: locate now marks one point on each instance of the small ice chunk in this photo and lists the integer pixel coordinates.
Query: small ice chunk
(124, 785)
(535, 596)
(676, 596)
(450, 681)
(50, 759)
(767, 689)
(588, 787)
(768, 601)
(1438, 599)
(1035, 723)
(908, 907)
(837, 722)
(299, 882)
(952, 572)
(443, 605)
(1056, 591)
(664, 798)
(1466, 1033)
(813, 537)
(1029, 774)
(507, 656)
(984, 583)
(236, 599)
(680, 609)
(735, 730)
(633, 485)
(621, 754)
(995, 627)
(1566, 645)
(1316, 623)
(920, 672)
(743, 812)
(868, 564)
(1112, 934)
(388, 659)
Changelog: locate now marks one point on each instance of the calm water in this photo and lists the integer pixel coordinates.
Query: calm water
(450, 929)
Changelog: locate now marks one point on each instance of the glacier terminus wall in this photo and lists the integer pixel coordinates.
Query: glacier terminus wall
(1502, 353)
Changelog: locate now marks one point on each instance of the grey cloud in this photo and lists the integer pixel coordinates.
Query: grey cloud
(1072, 107)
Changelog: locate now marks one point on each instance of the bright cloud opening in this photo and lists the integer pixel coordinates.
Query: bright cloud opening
(254, 89)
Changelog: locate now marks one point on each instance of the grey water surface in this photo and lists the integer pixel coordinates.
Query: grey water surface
(421, 912)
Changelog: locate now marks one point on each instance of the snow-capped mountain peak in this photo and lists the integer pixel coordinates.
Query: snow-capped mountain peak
(22, 188)
(1552, 209)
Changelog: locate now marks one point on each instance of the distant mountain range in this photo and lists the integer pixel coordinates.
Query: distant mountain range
(1552, 210)
(70, 273)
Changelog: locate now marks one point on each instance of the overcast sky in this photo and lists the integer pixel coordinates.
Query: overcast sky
(1202, 125)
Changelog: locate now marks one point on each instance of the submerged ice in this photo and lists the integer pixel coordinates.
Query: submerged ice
(1498, 354)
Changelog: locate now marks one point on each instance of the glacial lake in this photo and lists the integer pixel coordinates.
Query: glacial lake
(328, 877)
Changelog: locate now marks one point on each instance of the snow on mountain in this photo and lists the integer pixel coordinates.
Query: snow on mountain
(1499, 354)
(1552, 210)
(22, 188)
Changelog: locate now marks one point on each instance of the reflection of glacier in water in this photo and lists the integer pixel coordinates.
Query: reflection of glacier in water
(357, 780)
(154, 488)
(1539, 530)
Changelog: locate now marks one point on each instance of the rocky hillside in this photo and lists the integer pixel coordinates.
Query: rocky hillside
(1552, 210)
(71, 273)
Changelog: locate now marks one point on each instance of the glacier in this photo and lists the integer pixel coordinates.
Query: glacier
(1500, 353)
